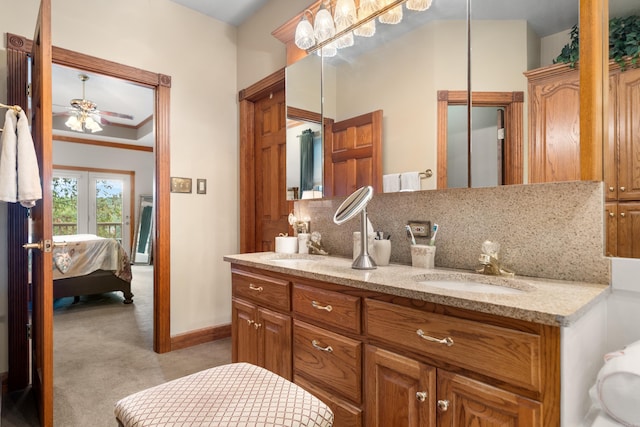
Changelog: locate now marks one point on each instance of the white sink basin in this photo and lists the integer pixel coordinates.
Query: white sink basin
(469, 283)
(292, 260)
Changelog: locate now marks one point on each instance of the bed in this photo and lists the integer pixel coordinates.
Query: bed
(86, 264)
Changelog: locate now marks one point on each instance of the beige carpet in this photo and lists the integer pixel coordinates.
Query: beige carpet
(103, 352)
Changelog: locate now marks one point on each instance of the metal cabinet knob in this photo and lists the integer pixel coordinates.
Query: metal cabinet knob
(443, 405)
(622, 189)
(612, 189)
(421, 396)
(611, 214)
(622, 214)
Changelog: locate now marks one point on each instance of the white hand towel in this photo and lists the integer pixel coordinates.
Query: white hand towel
(29, 188)
(391, 183)
(8, 155)
(410, 181)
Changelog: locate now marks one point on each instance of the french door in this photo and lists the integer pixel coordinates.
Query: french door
(92, 202)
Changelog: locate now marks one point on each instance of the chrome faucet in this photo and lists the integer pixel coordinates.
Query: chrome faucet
(489, 261)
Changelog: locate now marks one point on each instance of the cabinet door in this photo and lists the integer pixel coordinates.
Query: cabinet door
(463, 402)
(610, 162)
(629, 130)
(399, 391)
(554, 128)
(611, 218)
(629, 230)
(243, 332)
(274, 342)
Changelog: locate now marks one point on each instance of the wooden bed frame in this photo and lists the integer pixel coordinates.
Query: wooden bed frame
(98, 282)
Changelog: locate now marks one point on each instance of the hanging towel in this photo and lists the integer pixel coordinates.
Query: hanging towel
(29, 188)
(8, 155)
(391, 183)
(410, 181)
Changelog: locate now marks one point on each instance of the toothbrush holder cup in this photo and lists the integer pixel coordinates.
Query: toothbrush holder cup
(423, 256)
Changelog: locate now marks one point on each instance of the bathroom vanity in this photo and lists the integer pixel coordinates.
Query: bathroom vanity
(396, 343)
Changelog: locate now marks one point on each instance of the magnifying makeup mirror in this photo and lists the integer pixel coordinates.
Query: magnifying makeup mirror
(355, 204)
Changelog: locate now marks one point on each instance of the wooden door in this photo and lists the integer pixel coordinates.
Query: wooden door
(270, 166)
(463, 402)
(244, 335)
(554, 127)
(399, 391)
(274, 342)
(629, 229)
(42, 263)
(353, 154)
(629, 135)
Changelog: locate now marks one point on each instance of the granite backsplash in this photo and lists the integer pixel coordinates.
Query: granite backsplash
(553, 230)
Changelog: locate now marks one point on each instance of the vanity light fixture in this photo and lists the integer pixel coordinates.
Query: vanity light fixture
(418, 5)
(367, 8)
(344, 17)
(393, 16)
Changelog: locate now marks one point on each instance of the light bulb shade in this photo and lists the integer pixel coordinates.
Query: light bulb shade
(367, 8)
(392, 16)
(347, 39)
(323, 27)
(74, 124)
(304, 37)
(418, 5)
(92, 125)
(328, 51)
(345, 13)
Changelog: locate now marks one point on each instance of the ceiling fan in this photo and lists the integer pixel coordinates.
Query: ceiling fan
(84, 114)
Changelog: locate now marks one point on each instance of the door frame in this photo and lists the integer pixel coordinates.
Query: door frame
(513, 103)
(18, 50)
(247, 98)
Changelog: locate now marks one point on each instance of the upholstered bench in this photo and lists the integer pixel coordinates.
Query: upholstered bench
(238, 394)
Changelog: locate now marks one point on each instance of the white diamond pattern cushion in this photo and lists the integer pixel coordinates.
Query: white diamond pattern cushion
(238, 394)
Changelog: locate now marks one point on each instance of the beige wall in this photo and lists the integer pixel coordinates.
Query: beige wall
(551, 46)
(199, 54)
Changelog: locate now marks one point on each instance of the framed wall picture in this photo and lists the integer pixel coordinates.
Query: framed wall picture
(180, 185)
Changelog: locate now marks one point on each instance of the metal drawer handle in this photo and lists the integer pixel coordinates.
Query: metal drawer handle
(448, 340)
(443, 405)
(317, 346)
(255, 288)
(421, 396)
(316, 304)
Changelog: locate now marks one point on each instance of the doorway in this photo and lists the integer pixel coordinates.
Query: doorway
(18, 57)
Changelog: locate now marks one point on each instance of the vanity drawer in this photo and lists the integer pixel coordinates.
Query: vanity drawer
(505, 354)
(260, 289)
(328, 359)
(327, 307)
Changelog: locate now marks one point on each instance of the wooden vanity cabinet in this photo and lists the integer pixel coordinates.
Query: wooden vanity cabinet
(379, 360)
(261, 335)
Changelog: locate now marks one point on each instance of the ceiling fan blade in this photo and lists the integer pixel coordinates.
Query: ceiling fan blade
(112, 114)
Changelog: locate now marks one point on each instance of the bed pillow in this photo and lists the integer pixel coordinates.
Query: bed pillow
(617, 387)
(62, 261)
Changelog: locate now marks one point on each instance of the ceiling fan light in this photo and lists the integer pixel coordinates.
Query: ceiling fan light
(92, 125)
(304, 37)
(74, 124)
(418, 5)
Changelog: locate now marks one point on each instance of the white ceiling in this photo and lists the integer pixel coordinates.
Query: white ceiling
(233, 12)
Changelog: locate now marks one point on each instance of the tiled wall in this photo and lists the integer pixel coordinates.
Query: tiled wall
(553, 230)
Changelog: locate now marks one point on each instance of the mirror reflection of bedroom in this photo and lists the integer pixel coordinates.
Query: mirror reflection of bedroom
(103, 166)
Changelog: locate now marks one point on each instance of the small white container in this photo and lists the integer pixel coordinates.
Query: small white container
(381, 252)
(423, 256)
(303, 239)
(286, 245)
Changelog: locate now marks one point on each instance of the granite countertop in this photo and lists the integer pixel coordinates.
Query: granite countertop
(545, 301)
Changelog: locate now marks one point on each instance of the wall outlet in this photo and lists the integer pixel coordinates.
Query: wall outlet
(420, 228)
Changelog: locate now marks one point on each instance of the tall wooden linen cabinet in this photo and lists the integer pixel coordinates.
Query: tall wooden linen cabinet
(554, 144)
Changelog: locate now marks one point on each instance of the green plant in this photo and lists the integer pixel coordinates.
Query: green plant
(624, 43)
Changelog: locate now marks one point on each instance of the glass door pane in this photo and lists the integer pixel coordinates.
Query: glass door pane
(109, 208)
(69, 209)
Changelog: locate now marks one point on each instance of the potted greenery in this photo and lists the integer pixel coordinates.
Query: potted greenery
(624, 43)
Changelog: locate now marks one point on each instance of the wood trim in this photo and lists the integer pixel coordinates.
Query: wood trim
(161, 243)
(200, 336)
(247, 178)
(4, 376)
(513, 103)
(107, 144)
(594, 84)
(272, 83)
(550, 352)
(17, 234)
(294, 113)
